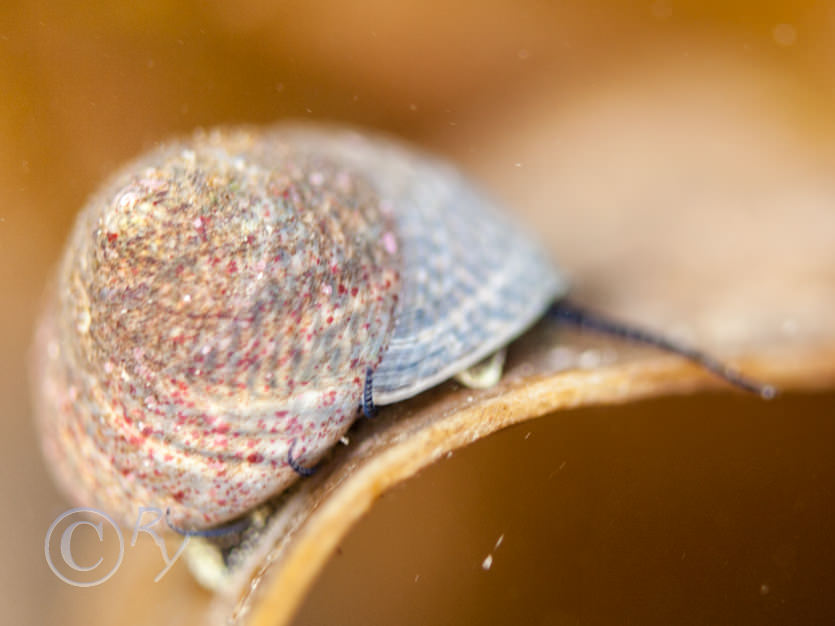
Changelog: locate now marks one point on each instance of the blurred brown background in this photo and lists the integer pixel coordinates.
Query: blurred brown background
(573, 112)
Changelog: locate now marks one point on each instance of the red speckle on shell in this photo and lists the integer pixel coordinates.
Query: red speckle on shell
(211, 276)
(221, 299)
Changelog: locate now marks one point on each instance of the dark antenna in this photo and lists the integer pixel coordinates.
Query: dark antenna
(568, 312)
(229, 529)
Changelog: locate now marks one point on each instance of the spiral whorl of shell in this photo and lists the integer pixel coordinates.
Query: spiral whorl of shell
(218, 303)
(472, 279)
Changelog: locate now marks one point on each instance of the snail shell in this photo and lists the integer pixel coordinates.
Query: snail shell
(220, 299)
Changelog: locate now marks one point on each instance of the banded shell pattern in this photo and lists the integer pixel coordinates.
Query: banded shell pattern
(220, 300)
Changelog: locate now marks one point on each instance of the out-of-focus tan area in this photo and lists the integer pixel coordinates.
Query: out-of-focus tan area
(656, 146)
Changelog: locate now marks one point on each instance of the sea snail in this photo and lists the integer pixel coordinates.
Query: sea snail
(227, 303)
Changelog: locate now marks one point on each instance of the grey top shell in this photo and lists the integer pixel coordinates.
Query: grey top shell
(471, 279)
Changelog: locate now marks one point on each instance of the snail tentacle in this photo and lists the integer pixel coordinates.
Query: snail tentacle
(301, 470)
(565, 311)
(229, 529)
(367, 404)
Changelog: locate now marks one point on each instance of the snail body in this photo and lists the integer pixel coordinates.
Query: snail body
(222, 297)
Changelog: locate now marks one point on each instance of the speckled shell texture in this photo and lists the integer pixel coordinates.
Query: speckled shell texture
(220, 300)
(471, 279)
